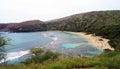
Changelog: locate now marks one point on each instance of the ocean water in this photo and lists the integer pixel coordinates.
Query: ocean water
(68, 44)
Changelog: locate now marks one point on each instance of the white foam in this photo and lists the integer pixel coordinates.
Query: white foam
(45, 35)
(15, 55)
(54, 38)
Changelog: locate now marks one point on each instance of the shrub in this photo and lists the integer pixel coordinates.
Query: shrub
(39, 58)
(36, 51)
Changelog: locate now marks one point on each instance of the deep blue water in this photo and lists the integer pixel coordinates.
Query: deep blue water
(68, 44)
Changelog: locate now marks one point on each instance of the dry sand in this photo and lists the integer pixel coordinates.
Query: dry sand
(97, 41)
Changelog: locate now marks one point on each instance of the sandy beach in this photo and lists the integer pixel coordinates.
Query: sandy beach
(97, 41)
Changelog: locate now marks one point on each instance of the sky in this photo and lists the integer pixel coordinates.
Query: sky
(44, 10)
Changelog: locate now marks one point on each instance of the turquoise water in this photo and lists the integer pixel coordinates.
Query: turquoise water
(68, 44)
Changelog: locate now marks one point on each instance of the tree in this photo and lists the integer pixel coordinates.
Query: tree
(2, 51)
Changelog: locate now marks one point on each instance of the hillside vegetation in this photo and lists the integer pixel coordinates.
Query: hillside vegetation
(26, 26)
(101, 23)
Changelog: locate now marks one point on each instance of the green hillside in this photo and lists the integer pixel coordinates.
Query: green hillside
(102, 23)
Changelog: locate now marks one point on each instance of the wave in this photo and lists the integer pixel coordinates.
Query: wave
(54, 38)
(45, 35)
(14, 55)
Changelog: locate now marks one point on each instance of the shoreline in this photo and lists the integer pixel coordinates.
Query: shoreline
(96, 41)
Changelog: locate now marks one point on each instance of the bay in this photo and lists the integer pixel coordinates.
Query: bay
(67, 44)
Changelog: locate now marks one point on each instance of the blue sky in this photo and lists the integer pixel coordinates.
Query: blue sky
(22, 10)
